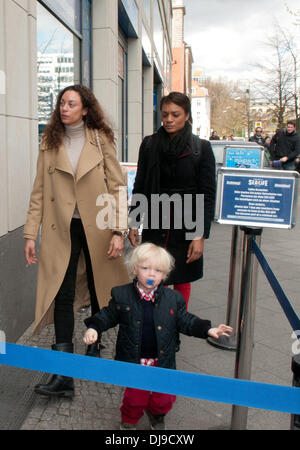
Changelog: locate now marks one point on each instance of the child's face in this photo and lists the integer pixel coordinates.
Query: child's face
(148, 274)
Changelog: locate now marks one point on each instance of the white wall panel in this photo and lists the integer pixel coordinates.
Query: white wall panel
(17, 61)
(19, 162)
(3, 178)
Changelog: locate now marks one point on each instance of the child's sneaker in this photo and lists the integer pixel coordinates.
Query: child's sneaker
(127, 426)
(157, 421)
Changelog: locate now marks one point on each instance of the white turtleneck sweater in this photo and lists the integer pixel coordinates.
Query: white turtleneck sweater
(74, 141)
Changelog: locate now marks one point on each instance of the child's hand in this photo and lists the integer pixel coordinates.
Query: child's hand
(222, 330)
(90, 336)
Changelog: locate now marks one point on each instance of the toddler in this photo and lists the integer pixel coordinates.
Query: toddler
(149, 316)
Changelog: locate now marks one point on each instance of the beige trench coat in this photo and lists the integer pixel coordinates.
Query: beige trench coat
(55, 193)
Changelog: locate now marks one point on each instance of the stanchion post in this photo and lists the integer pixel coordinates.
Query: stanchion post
(295, 418)
(246, 317)
(224, 342)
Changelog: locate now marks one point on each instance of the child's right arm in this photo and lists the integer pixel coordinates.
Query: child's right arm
(107, 317)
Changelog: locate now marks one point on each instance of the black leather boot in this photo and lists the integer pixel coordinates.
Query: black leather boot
(58, 385)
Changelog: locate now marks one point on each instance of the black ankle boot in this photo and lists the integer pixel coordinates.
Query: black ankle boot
(58, 385)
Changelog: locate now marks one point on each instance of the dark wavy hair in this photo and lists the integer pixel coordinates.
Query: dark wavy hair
(95, 119)
(179, 99)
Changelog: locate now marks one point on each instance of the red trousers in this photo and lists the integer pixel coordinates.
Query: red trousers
(185, 290)
(136, 401)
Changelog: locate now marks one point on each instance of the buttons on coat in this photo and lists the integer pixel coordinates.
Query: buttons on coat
(53, 227)
(159, 328)
(119, 307)
(51, 169)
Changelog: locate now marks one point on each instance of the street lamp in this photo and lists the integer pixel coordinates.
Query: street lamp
(248, 110)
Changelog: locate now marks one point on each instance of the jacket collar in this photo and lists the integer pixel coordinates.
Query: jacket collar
(90, 157)
(157, 293)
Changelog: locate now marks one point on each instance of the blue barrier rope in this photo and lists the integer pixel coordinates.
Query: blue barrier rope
(277, 289)
(186, 384)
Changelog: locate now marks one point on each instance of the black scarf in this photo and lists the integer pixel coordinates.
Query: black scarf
(166, 150)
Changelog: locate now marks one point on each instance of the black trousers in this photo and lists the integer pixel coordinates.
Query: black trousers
(64, 300)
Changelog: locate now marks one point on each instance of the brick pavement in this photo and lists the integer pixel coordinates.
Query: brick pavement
(96, 405)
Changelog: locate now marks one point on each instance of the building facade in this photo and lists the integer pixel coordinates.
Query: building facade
(182, 52)
(121, 49)
(201, 109)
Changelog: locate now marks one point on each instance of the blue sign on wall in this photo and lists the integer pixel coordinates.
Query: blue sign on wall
(247, 158)
(257, 200)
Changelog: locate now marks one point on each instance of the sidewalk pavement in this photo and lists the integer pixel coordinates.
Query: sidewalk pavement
(96, 405)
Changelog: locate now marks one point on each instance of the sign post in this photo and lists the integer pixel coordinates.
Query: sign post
(241, 156)
(252, 200)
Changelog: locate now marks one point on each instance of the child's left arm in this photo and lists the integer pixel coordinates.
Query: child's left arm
(221, 330)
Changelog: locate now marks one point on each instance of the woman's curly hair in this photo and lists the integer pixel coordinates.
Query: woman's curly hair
(54, 131)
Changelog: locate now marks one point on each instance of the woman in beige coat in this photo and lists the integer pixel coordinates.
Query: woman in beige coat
(78, 177)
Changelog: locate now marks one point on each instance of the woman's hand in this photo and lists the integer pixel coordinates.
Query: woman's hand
(30, 253)
(115, 247)
(221, 330)
(90, 336)
(195, 250)
(133, 237)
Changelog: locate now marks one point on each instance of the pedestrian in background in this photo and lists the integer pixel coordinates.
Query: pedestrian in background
(174, 161)
(258, 137)
(76, 163)
(214, 136)
(285, 147)
(149, 316)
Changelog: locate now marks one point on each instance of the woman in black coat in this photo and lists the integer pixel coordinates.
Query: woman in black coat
(174, 161)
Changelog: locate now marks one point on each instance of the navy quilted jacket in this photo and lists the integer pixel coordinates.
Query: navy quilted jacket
(169, 314)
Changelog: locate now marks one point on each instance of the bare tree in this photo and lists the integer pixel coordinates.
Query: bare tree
(277, 86)
(295, 14)
(229, 106)
(291, 46)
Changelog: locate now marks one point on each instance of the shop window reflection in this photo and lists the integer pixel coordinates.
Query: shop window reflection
(58, 62)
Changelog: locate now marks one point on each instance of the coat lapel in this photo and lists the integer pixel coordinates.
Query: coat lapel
(62, 161)
(90, 156)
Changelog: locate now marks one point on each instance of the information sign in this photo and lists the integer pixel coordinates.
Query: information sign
(259, 198)
(244, 157)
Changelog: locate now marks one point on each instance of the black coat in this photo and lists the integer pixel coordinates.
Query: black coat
(285, 144)
(170, 317)
(258, 139)
(188, 176)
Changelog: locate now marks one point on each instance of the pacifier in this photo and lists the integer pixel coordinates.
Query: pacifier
(150, 282)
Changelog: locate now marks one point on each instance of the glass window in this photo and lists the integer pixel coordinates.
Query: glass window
(131, 22)
(69, 11)
(158, 34)
(147, 9)
(167, 68)
(146, 43)
(122, 104)
(58, 62)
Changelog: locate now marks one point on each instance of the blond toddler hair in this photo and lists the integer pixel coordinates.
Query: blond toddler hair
(159, 257)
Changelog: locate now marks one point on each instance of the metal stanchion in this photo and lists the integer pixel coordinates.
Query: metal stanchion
(295, 418)
(246, 316)
(224, 342)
